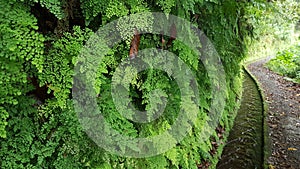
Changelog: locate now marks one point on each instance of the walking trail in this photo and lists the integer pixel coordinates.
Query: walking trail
(283, 99)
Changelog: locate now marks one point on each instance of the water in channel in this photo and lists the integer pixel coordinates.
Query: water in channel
(244, 148)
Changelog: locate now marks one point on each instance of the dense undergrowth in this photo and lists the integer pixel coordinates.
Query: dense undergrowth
(287, 63)
(274, 28)
(40, 45)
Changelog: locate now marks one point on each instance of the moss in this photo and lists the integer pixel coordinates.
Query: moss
(266, 139)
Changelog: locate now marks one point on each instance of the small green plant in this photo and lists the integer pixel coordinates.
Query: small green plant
(287, 63)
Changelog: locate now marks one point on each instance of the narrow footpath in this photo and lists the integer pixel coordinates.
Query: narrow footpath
(283, 99)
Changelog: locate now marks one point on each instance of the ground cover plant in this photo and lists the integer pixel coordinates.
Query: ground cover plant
(287, 63)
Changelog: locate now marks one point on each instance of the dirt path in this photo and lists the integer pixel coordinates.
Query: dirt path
(283, 98)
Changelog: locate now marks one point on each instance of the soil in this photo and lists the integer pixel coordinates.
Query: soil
(283, 99)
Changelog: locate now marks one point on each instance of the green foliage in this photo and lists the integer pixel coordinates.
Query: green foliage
(126, 30)
(21, 51)
(117, 9)
(3, 123)
(166, 5)
(48, 135)
(92, 8)
(54, 6)
(273, 26)
(57, 71)
(110, 10)
(287, 63)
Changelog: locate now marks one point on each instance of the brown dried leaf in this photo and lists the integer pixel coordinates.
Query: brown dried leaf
(292, 149)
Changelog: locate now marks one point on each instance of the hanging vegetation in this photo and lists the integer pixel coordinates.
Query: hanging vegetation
(40, 45)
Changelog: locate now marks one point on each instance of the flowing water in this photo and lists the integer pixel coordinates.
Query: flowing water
(244, 148)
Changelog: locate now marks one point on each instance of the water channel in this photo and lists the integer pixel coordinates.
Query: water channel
(244, 148)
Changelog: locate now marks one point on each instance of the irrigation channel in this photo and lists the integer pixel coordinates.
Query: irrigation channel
(245, 145)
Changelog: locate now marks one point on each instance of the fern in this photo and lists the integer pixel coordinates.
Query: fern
(166, 5)
(48, 134)
(54, 6)
(21, 50)
(92, 8)
(58, 68)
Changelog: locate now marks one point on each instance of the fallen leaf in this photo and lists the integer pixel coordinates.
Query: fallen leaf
(271, 167)
(292, 149)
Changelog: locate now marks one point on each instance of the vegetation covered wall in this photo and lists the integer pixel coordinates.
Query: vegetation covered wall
(40, 44)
